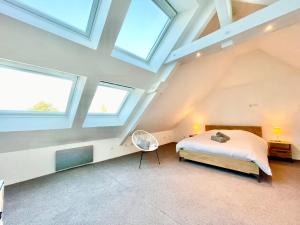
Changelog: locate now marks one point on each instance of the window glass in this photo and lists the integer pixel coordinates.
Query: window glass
(75, 13)
(108, 100)
(26, 91)
(142, 29)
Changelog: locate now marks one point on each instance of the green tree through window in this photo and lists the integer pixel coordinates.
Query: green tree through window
(43, 107)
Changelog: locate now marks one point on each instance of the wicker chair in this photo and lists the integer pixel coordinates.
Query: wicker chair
(145, 142)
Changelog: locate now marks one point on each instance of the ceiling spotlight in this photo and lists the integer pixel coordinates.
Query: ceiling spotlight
(198, 54)
(269, 28)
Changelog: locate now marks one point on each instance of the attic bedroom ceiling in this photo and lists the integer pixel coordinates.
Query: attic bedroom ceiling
(95, 60)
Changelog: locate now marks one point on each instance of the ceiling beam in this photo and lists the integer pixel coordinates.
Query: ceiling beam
(200, 20)
(262, 17)
(259, 2)
(139, 112)
(224, 11)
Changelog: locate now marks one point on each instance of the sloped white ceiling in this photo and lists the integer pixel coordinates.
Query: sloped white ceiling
(24, 43)
(197, 78)
(284, 45)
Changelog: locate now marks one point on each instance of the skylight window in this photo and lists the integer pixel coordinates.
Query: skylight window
(108, 99)
(77, 15)
(145, 24)
(80, 21)
(25, 91)
(36, 98)
(112, 105)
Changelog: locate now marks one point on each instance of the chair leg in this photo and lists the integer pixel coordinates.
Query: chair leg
(142, 153)
(157, 156)
(258, 176)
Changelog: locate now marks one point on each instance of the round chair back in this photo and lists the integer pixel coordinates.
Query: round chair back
(144, 140)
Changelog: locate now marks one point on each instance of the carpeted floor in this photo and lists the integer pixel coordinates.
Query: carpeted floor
(116, 192)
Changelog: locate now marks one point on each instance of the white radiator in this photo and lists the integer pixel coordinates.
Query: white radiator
(1, 200)
(74, 157)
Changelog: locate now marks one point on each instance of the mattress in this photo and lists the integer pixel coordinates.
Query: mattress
(242, 145)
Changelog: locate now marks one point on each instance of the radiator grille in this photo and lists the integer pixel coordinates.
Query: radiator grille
(74, 157)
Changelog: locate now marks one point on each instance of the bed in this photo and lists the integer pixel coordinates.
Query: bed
(245, 152)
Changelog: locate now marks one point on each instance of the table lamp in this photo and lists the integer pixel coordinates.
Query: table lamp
(277, 131)
(196, 128)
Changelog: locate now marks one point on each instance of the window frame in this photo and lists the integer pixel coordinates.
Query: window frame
(169, 11)
(42, 72)
(115, 86)
(90, 41)
(125, 111)
(89, 26)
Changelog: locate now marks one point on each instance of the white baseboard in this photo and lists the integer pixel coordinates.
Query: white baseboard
(27, 164)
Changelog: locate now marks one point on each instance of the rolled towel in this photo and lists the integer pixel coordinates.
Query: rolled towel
(220, 134)
(218, 139)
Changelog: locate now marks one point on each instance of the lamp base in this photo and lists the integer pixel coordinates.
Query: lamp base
(275, 140)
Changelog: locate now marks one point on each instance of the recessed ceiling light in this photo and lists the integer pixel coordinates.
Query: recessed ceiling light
(269, 28)
(198, 54)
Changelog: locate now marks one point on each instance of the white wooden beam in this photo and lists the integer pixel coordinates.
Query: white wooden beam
(200, 22)
(224, 10)
(139, 112)
(264, 16)
(259, 2)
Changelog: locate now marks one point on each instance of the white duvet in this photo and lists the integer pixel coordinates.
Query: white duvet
(242, 145)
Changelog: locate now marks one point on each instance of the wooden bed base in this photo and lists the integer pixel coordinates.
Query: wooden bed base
(222, 161)
(247, 167)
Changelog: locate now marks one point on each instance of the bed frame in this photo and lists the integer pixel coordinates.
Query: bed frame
(226, 162)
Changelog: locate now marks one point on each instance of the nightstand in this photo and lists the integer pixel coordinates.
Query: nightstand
(280, 149)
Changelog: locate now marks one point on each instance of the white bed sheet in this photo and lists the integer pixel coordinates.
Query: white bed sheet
(242, 145)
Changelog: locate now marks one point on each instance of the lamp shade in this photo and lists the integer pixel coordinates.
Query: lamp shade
(196, 128)
(277, 130)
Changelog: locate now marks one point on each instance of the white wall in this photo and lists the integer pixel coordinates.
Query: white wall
(257, 89)
(31, 163)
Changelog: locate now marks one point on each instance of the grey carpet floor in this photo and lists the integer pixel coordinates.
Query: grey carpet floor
(116, 192)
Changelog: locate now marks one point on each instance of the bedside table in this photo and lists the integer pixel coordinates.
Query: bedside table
(280, 149)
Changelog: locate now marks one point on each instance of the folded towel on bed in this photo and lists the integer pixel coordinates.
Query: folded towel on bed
(220, 134)
(218, 139)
